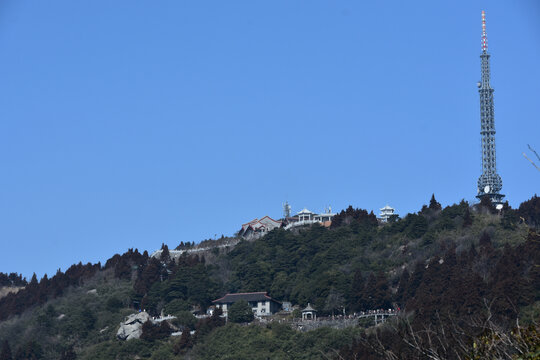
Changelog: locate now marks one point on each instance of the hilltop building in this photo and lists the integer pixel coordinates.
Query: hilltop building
(258, 227)
(260, 302)
(306, 217)
(386, 213)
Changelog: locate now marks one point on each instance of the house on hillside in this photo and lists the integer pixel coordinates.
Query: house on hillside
(258, 227)
(260, 302)
(306, 217)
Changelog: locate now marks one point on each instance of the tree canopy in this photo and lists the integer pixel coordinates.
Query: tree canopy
(240, 312)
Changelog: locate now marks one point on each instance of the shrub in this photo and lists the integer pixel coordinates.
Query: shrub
(186, 319)
(155, 332)
(240, 312)
(113, 304)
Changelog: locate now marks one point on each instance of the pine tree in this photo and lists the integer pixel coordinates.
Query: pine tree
(367, 301)
(487, 205)
(165, 255)
(240, 312)
(381, 292)
(415, 280)
(402, 286)
(5, 353)
(29, 351)
(434, 204)
(485, 241)
(69, 354)
(467, 218)
(184, 343)
(357, 288)
(334, 301)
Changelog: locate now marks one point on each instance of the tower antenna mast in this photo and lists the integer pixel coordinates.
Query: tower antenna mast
(484, 34)
(489, 183)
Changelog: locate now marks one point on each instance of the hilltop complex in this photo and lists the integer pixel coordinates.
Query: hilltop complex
(259, 227)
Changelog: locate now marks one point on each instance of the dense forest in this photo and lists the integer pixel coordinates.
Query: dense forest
(464, 277)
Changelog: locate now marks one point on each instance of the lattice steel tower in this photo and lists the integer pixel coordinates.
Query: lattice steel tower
(489, 183)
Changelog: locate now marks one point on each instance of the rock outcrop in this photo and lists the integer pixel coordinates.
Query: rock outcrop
(4, 290)
(131, 328)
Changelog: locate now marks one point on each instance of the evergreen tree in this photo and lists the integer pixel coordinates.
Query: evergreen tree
(486, 205)
(402, 286)
(418, 226)
(357, 289)
(68, 354)
(334, 301)
(434, 204)
(155, 332)
(467, 218)
(184, 343)
(415, 280)
(216, 318)
(368, 301)
(149, 275)
(5, 353)
(29, 351)
(485, 241)
(240, 312)
(381, 292)
(205, 326)
(165, 254)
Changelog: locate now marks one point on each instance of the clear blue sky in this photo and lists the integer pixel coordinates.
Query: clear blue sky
(125, 124)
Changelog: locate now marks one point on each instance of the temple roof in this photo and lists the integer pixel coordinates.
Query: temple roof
(308, 308)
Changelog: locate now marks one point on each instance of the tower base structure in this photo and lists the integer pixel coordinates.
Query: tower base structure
(496, 199)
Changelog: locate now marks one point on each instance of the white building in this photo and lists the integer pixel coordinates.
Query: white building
(258, 227)
(386, 213)
(260, 302)
(306, 217)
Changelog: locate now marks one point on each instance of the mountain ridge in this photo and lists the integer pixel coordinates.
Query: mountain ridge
(423, 263)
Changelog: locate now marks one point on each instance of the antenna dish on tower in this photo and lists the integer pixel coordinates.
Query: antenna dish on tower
(286, 210)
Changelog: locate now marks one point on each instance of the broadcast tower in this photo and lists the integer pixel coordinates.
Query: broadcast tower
(489, 183)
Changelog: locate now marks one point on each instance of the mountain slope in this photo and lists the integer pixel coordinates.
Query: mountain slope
(441, 265)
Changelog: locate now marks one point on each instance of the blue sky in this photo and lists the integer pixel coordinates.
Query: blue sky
(126, 124)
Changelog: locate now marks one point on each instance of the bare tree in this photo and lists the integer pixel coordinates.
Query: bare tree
(479, 338)
(532, 162)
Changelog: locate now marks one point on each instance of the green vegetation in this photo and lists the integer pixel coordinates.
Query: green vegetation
(80, 317)
(240, 312)
(275, 341)
(444, 266)
(188, 285)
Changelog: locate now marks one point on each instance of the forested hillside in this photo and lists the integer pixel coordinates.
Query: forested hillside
(469, 268)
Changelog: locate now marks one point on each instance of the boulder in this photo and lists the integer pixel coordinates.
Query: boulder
(131, 328)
